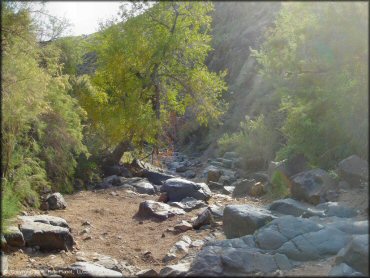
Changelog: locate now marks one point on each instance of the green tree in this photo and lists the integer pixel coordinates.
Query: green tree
(316, 57)
(150, 65)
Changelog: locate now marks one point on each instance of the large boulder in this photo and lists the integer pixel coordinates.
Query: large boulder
(229, 261)
(155, 177)
(178, 189)
(240, 220)
(343, 270)
(356, 254)
(87, 269)
(54, 201)
(158, 210)
(300, 239)
(47, 232)
(311, 186)
(354, 170)
(293, 207)
(288, 167)
(335, 209)
(14, 237)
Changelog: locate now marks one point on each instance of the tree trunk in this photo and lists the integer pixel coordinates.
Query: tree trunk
(114, 157)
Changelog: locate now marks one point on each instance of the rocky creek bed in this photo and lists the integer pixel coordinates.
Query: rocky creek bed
(198, 219)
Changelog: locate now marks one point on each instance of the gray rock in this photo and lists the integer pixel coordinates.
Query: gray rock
(240, 220)
(147, 273)
(292, 207)
(183, 226)
(204, 218)
(155, 177)
(334, 209)
(14, 237)
(228, 190)
(87, 269)
(354, 170)
(217, 211)
(55, 201)
(158, 210)
(228, 261)
(189, 174)
(188, 204)
(44, 231)
(300, 239)
(215, 185)
(310, 186)
(181, 169)
(144, 187)
(212, 173)
(178, 189)
(175, 270)
(242, 187)
(344, 270)
(356, 254)
(4, 264)
(346, 225)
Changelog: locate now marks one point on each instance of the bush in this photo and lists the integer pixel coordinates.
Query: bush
(9, 203)
(256, 140)
(280, 185)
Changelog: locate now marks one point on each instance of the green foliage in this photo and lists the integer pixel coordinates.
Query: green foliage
(149, 66)
(256, 139)
(41, 122)
(280, 185)
(318, 64)
(9, 205)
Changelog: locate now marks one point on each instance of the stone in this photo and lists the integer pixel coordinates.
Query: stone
(343, 270)
(169, 257)
(181, 169)
(188, 204)
(217, 211)
(147, 273)
(212, 173)
(257, 190)
(183, 226)
(356, 254)
(204, 218)
(310, 186)
(47, 232)
(4, 264)
(240, 220)
(228, 190)
(55, 201)
(155, 177)
(158, 210)
(300, 239)
(14, 237)
(178, 270)
(215, 185)
(293, 207)
(144, 187)
(334, 209)
(163, 197)
(87, 269)
(242, 187)
(178, 189)
(354, 170)
(189, 174)
(229, 261)
(197, 243)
